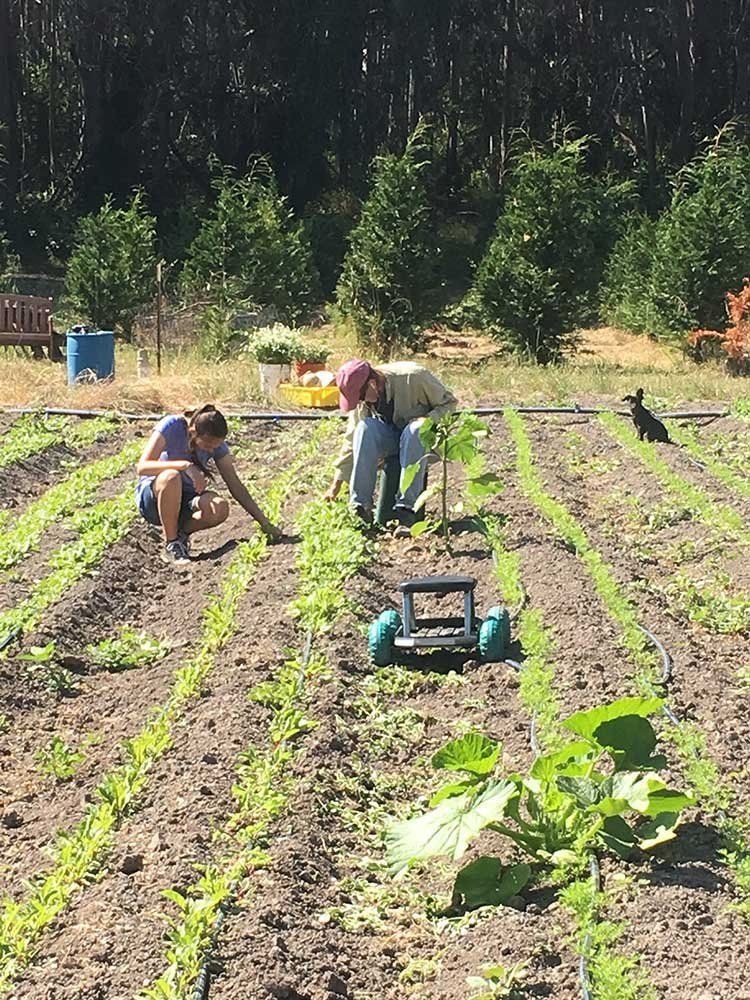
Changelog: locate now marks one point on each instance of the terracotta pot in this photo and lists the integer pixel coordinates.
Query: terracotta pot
(302, 367)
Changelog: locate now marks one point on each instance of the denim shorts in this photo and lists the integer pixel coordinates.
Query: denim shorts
(147, 505)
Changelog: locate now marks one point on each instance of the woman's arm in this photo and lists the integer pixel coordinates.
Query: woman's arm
(239, 491)
(149, 463)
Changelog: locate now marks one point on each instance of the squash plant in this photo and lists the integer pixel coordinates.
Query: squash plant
(601, 788)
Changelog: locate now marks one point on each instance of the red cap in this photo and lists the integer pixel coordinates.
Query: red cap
(350, 378)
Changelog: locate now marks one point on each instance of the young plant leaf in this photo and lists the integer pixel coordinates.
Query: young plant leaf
(473, 752)
(450, 828)
(630, 740)
(660, 830)
(586, 723)
(486, 882)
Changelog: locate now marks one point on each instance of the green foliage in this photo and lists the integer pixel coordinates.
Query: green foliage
(73, 493)
(56, 678)
(670, 277)
(498, 982)
(388, 271)
(720, 517)
(328, 223)
(132, 649)
(613, 975)
(455, 437)
(313, 352)
(573, 798)
(275, 345)
(249, 249)
(111, 271)
(619, 607)
(539, 278)
(98, 529)
(29, 435)
(59, 760)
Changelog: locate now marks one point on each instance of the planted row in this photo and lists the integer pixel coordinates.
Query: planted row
(75, 491)
(76, 855)
(32, 433)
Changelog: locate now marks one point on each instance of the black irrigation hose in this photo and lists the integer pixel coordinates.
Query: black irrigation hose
(12, 636)
(203, 982)
(583, 968)
(666, 659)
(481, 411)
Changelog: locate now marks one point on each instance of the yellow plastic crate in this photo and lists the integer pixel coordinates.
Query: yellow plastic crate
(325, 397)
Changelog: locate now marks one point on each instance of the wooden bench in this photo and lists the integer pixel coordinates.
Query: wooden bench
(26, 321)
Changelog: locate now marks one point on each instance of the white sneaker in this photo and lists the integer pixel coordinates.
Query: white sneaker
(175, 554)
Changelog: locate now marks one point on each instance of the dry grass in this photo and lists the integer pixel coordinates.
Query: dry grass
(608, 364)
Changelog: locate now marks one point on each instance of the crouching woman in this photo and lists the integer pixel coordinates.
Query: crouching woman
(172, 490)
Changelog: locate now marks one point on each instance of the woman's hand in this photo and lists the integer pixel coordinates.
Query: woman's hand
(198, 477)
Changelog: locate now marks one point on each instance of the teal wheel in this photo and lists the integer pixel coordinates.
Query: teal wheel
(491, 645)
(380, 638)
(503, 616)
(390, 617)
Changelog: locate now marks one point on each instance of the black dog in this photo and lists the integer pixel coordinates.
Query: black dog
(647, 424)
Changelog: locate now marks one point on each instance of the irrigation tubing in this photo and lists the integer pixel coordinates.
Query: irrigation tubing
(583, 967)
(203, 982)
(480, 411)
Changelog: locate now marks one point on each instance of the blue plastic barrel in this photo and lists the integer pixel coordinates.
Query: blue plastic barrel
(91, 355)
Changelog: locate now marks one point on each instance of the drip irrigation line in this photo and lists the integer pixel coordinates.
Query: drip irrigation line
(12, 636)
(203, 982)
(666, 659)
(583, 965)
(480, 411)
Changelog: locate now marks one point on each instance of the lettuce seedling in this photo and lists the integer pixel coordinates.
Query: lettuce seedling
(601, 788)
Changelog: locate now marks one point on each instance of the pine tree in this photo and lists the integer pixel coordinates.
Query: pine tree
(250, 250)
(110, 274)
(539, 278)
(388, 269)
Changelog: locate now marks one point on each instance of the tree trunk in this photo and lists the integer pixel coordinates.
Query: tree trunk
(9, 76)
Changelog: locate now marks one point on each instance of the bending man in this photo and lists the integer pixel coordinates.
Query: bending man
(386, 406)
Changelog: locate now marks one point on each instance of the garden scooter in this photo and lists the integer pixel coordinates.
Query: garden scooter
(392, 632)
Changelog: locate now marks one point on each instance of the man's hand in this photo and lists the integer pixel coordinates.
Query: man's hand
(271, 531)
(333, 490)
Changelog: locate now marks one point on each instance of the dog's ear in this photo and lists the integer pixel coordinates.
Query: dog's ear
(639, 394)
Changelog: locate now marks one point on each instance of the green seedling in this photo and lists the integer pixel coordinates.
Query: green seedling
(55, 676)
(132, 649)
(455, 437)
(74, 492)
(498, 982)
(4, 724)
(59, 760)
(582, 795)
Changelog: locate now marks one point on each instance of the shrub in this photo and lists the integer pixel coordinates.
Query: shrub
(624, 298)
(111, 271)
(275, 345)
(388, 273)
(540, 275)
(250, 250)
(698, 248)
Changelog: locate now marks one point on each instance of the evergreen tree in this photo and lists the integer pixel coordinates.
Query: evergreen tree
(111, 271)
(388, 271)
(539, 278)
(249, 249)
